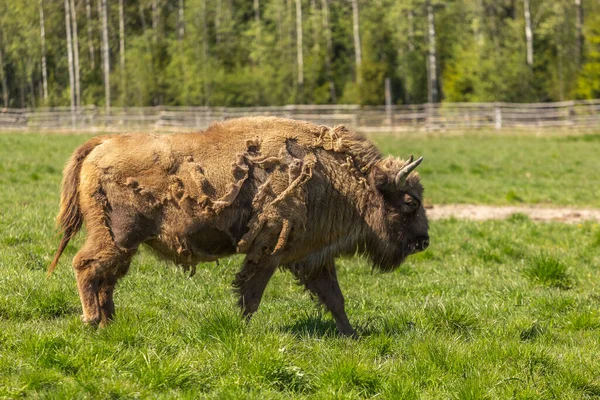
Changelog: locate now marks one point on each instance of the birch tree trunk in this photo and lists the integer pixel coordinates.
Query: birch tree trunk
(70, 55)
(579, 29)
(180, 21)
(76, 54)
(257, 11)
(205, 52)
(528, 33)
(43, 42)
(329, 44)
(478, 23)
(411, 30)
(204, 31)
(3, 77)
(299, 49)
(257, 20)
(90, 33)
(154, 14)
(106, 56)
(218, 22)
(559, 59)
(357, 48)
(289, 53)
(432, 92)
(122, 54)
(99, 4)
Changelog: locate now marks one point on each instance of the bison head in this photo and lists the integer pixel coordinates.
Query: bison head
(400, 224)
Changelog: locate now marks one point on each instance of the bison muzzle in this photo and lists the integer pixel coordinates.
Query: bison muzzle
(284, 193)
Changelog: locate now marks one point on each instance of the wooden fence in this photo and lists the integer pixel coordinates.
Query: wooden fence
(429, 117)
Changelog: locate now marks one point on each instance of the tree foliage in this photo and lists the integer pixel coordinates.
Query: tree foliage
(229, 57)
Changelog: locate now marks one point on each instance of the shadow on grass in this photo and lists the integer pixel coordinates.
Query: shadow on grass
(324, 326)
(311, 326)
(390, 327)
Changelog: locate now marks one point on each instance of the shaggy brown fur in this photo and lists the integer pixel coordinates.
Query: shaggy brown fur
(285, 193)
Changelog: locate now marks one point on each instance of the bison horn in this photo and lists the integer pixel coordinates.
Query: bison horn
(400, 179)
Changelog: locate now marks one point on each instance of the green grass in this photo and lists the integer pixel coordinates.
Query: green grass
(504, 170)
(548, 270)
(483, 313)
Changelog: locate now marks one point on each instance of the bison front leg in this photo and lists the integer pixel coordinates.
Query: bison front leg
(251, 281)
(323, 283)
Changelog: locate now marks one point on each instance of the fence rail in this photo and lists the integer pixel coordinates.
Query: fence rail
(445, 116)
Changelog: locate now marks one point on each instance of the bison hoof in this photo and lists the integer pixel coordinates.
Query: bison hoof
(93, 322)
(349, 333)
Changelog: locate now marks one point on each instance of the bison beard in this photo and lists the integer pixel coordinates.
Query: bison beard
(282, 192)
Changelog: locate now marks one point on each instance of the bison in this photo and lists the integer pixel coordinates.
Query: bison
(284, 193)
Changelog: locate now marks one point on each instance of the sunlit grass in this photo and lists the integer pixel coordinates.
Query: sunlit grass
(548, 270)
(485, 312)
(487, 168)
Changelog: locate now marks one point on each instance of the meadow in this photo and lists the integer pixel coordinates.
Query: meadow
(496, 309)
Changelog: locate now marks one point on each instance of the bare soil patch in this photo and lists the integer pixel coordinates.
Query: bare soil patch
(536, 213)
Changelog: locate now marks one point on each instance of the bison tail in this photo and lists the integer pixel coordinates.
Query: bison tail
(70, 218)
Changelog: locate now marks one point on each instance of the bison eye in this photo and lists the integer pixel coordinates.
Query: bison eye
(410, 203)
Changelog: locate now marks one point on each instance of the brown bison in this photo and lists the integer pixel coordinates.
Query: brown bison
(282, 192)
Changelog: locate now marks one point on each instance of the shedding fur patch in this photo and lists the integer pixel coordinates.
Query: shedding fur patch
(239, 169)
(331, 138)
(276, 215)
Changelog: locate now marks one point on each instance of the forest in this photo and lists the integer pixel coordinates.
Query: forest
(125, 53)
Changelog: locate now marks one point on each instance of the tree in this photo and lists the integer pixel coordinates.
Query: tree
(43, 42)
(122, 53)
(180, 21)
(273, 52)
(356, 35)
(3, 76)
(106, 58)
(70, 56)
(256, 6)
(76, 54)
(579, 31)
(218, 22)
(329, 49)
(299, 50)
(588, 83)
(432, 91)
(528, 33)
(88, 13)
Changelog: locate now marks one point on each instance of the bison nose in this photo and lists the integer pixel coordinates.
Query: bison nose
(422, 243)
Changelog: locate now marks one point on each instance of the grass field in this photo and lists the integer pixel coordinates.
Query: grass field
(492, 169)
(498, 309)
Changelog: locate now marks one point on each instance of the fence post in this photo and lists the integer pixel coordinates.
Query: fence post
(26, 119)
(73, 118)
(388, 102)
(94, 116)
(498, 117)
(570, 113)
(429, 110)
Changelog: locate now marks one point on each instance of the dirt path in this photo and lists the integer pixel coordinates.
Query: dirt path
(480, 213)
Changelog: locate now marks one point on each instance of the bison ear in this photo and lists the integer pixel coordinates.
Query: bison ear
(382, 176)
(389, 175)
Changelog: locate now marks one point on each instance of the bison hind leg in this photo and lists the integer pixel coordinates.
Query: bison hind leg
(97, 267)
(107, 287)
